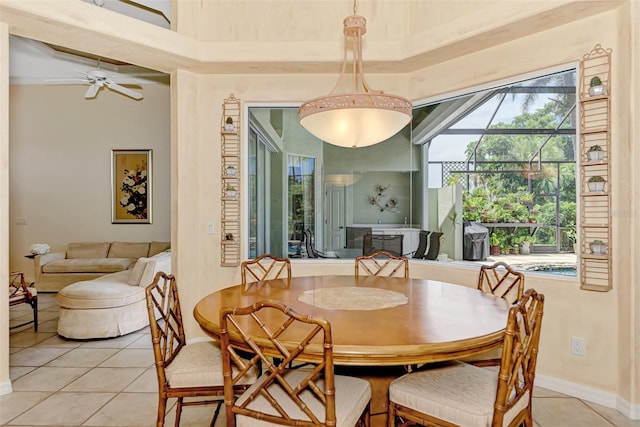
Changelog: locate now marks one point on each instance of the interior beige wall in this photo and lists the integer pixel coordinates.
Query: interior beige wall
(60, 170)
(598, 317)
(569, 311)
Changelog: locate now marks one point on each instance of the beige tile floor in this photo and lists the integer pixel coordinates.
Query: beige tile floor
(112, 382)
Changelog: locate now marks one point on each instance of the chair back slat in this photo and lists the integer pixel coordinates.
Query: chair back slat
(274, 332)
(265, 267)
(382, 264)
(519, 355)
(501, 280)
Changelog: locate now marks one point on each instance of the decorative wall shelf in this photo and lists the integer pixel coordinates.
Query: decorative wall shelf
(595, 206)
(230, 138)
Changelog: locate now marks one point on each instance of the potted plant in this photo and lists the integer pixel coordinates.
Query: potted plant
(598, 247)
(595, 153)
(494, 244)
(596, 183)
(230, 170)
(525, 245)
(228, 125)
(596, 88)
(230, 190)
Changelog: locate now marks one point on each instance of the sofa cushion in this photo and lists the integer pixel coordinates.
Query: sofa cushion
(128, 249)
(88, 250)
(137, 271)
(84, 265)
(157, 247)
(104, 292)
(159, 262)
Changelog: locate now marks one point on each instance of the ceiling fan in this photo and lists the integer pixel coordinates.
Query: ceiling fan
(99, 79)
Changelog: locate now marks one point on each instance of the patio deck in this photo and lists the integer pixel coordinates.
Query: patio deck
(533, 262)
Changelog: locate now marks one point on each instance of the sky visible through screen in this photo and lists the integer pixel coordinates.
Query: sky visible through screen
(452, 147)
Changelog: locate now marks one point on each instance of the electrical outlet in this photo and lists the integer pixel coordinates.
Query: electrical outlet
(577, 346)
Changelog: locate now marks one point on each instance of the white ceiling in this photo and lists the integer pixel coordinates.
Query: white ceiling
(33, 62)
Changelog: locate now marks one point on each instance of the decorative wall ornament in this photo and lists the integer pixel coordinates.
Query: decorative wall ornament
(378, 200)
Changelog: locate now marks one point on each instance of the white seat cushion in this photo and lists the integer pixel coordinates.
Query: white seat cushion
(460, 393)
(199, 364)
(352, 397)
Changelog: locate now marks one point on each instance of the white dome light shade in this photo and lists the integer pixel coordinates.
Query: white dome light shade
(355, 120)
(363, 117)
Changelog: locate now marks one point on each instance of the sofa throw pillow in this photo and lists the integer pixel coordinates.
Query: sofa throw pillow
(159, 262)
(137, 271)
(128, 249)
(157, 247)
(87, 250)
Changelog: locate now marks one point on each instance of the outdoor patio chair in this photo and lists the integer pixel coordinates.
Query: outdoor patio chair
(20, 293)
(183, 370)
(355, 236)
(457, 394)
(265, 267)
(284, 396)
(311, 250)
(382, 264)
(423, 243)
(391, 243)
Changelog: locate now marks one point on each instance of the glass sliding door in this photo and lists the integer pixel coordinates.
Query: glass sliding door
(258, 179)
(301, 200)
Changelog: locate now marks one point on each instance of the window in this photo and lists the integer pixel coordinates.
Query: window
(503, 157)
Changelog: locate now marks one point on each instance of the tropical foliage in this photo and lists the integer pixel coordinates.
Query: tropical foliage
(525, 178)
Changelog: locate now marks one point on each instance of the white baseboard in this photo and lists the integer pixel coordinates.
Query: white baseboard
(5, 387)
(590, 394)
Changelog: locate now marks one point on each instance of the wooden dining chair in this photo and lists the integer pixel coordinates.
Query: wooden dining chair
(457, 394)
(265, 267)
(183, 370)
(383, 264)
(20, 293)
(313, 395)
(502, 281)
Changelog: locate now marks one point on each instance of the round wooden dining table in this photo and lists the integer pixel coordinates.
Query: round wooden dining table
(380, 325)
(378, 321)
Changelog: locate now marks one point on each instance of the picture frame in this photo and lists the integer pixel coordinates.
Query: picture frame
(131, 186)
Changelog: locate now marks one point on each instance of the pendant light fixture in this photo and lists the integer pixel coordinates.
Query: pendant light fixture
(360, 118)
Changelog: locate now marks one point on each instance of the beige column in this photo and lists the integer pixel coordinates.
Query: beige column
(5, 382)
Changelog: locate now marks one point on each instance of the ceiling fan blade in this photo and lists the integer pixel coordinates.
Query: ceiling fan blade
(92, 91)
(123, 90)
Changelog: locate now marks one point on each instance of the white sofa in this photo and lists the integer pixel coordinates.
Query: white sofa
(86, 261)
(111, 305)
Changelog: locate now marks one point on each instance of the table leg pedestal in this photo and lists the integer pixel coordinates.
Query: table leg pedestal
(379, 377)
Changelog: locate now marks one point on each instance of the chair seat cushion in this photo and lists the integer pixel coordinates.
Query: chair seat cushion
(198, 365)
(352, 397)
(106, 292)
(459, 393)
(88, 265)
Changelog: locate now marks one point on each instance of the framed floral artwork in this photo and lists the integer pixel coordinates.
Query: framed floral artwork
(131, 200)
